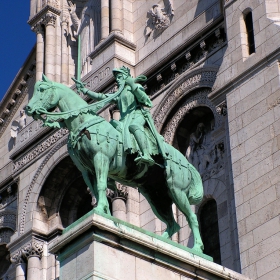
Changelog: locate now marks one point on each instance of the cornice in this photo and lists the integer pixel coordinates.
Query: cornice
(44, 11)
(16, 92)
(112, 38)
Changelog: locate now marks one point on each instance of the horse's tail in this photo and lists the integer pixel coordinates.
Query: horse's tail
(195, 193)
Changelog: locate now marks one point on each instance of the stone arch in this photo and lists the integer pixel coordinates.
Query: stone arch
(216, 189)
(243, 7)
(198, 78)
(63, 197)
(30, 202)
(198, 99)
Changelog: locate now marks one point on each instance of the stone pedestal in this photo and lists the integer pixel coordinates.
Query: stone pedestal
(103, 247)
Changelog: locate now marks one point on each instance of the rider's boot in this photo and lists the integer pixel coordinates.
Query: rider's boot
(144, 156)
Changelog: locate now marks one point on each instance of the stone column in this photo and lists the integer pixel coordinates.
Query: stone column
(104, 19)
(17, 259)
(49, 21)
(64, 53)
(118, 202)
(38, 28)
(117, 16)
(33, 252)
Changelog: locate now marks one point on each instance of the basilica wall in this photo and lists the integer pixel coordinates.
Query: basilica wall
(249, 76)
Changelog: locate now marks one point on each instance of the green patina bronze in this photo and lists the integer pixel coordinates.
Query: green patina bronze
(129, 151)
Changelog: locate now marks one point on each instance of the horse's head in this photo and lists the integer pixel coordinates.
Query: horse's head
(44, 98)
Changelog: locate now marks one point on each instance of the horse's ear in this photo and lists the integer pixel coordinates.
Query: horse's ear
(45, 79)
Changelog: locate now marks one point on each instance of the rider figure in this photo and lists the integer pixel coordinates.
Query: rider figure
(130, 102)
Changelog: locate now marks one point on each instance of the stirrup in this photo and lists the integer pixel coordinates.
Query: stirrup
(144, 159)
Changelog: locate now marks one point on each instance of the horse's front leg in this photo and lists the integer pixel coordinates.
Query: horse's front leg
(101, 166)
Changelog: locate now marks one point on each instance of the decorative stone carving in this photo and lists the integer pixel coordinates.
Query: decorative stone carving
(159, 18)
(12, 102)
(19, 96)
(201, 151)
(26, 159)
(32, 249)
(121, 191)
(18, 124)
(222, 109)
(202, 78)
(37, 28)
(18, 92)
(199, 99)
(17, 258)
(196, 54)
(6, 112)
(49, 19)
(33, 181)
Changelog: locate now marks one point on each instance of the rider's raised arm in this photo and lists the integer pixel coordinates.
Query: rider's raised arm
(93, 95)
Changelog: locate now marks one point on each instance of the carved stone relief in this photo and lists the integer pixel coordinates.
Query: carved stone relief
(18, 124)
(39, 149)
(201, 77)
(159, 18)
(202, 150)
(188, 59)
(31, 249)
(33, 181)
(222, 109)
(18, 96)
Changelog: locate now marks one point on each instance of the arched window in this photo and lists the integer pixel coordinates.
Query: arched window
(248, 18)
(210, 230)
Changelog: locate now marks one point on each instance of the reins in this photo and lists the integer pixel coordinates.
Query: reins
(92, 108)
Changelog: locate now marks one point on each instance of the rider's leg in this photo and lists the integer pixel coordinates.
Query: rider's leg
(139, 134)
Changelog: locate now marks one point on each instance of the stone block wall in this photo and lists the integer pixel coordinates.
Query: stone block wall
(252, 84)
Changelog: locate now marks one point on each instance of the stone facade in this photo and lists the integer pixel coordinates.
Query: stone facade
(213, 70)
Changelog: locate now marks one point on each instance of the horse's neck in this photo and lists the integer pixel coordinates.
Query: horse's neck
(69, 102)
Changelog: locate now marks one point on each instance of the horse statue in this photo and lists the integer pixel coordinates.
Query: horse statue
(96, 148)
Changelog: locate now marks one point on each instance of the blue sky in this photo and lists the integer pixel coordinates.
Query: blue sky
(16, 41)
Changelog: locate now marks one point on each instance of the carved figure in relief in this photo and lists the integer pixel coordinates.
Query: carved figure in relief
(87, 27)
(98, 148)
(158, 17)
(198, 150)
(19, 124)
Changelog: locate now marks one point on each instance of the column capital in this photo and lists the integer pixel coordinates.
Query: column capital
(121, 191)
(17, 258)
(49, 19)
(37, 27)
(32, 249)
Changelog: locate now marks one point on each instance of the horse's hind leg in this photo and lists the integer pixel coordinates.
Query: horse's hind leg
(181, 200)
(162, 208)
(101, 165)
